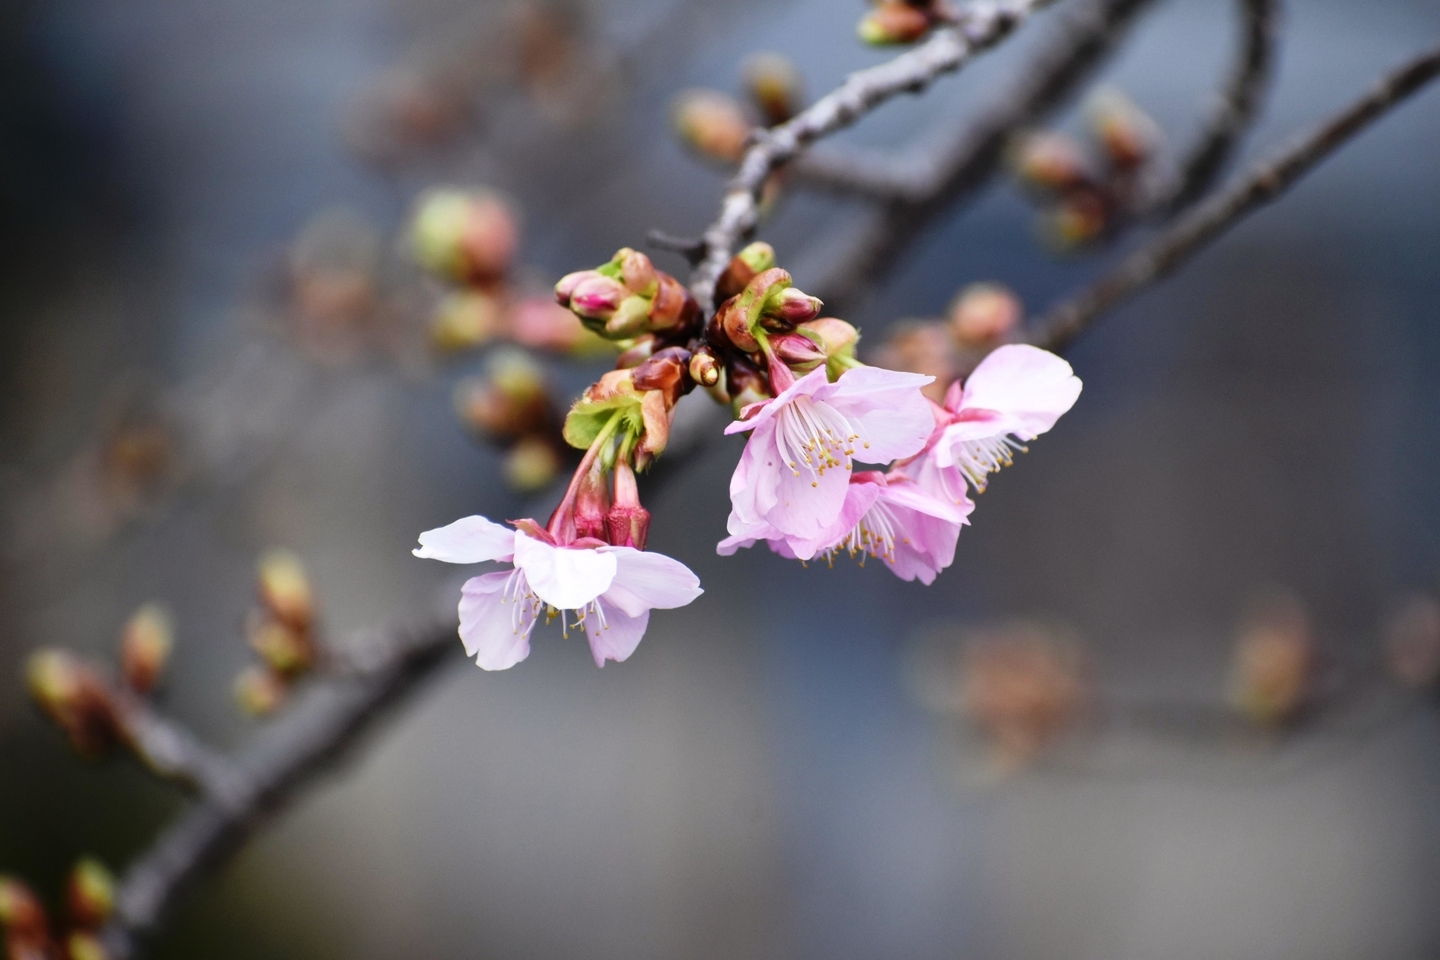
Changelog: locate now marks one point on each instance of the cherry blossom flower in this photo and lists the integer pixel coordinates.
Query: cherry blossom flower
(1014, 395)
(609, 590)
(886, 516)
(795, 471)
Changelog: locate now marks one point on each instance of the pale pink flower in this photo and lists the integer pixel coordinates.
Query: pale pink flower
(1014, 395)
(609, 590)
(795, 470)
(886, 516)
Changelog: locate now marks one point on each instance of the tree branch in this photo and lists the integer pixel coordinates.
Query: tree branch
(1262, 184)
(979, 26)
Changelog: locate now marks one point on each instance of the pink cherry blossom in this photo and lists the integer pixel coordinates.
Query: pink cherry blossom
(609, 590)
(1014, 395)
(886, 516)
(794, 473)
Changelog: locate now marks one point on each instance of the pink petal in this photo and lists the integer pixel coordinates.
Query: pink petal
(646, 581)
(467, 540)
(488, 624)
(565, 578)
(892, 416)
(812, 383)
(1031, 388)
(942, 481)
(618, 638)
(804, 505)
(859, 497)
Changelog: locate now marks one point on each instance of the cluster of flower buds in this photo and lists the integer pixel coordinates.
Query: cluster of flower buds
(1272, 676)
(510, 405)
(1084, 189)
(90, 900)
(281, 630)
(718, 126)
(891, 22)
(628, 301)
(982, 317)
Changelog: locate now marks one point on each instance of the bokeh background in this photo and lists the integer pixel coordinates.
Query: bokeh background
(761, 779)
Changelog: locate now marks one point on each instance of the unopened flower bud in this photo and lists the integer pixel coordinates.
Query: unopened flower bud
(21, 914)
(597, 297)
(984, 314)
(1078, 219)
(799, 352)
(791, 306)
(755, 258)
(285, 588)
(705, 367)
(90, 894)
(260, 691)
(629, 319)
(746, 384)
(1412, 643)
(637, 272)
(628, 523)
(673, 308)
(465, 320)
(285, 650)
(76, 698)
(664, 372)
(565, 287)
(1128, 136)
(81, 945)
(1050, 161)
(468, 237)
(712, 124)
(774, 84)
(592, 502)
(510, 401)
(733, 327)
(894, 21)
(145, 647)
(837, 337)
(1270, 678)
(532, 464)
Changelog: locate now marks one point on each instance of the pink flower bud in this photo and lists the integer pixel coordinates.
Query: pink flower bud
(628, 523)
(735, 327)
(76, 698)
(597, 297)
(984, 314)
(837, 337)
(260, 691)
(673, 307)
(712, 124)
(894, 21)
(792, 306)
(469, 237)
(798, 351)
(1128, 135)
(566, 287)
(637, 272)
(664, 372)
(1051, 161)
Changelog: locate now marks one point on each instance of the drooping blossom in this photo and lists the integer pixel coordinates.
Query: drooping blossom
(885, 516)
(608, 590)
(1014, 395)
(795, 471)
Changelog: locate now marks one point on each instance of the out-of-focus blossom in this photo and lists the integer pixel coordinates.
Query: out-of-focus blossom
(900, 21)
(285, 588)
(924, 347)
(1053, 162)
(1412, 643)
(1016, 393)
(1125, 132)
(333, 276)
(466, 236)
(542, 324)
(145, 646)
(713, 124)
(84, 945)
(21, 913)
(984, 315)
(77, 698)
(609, 590)
(795, 471)
(1272, 674)
(260, 691)
(467, 319)
(774, 84)
(1076, 219)
(404, 109)
(90, 894)
(1024, 686)
(531, 464)
(511, 400)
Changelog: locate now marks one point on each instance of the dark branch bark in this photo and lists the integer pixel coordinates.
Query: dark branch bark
(1262, 184)
(979, 26)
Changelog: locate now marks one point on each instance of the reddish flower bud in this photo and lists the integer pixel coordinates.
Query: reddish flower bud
(664, 372)
(592, 502)
(468, 237)
(894, 21)
(799, 352)
(705, 367)
(260, 691)
(637, 272)
(791, 306)
(984, 314)
(21, 914)
(285, 588)
(712, 124)
(565, 288)
(673, 307)
(1081, 217)
(540, 324)
(734, 326)
(774, 84)
(597, 297)
(90, 894)
(509, 401)
(76, 698)
(465, 320)
(921, 346)
(755, 258)
(628, 523)
(145, 646)
(1050, 161)
(532, 464)
(1128, 136)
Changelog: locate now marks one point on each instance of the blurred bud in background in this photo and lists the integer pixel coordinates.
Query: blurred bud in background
(540, 323)
(984, 315)
(773, 82)
(334, 286)
(83, 945)
(1078, 218)
(712, 124)
(145, 646)
(90, 894)
(1126, 134)
(403, 110)
(466, 319)
(1412, 643)
(895, 21)
(508, 401)
(1272, 672)
(21, 913)
(921, 346)
(532, 464)
(1024, 685)
(468, 237)
(284, 588)
(76, 697)
(259, 691)
(1049, 162)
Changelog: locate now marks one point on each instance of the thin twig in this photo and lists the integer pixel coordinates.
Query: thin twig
(171, 751)
(979, 26)
(1263, 183)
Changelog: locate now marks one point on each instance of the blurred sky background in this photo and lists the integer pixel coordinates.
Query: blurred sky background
(756, 781)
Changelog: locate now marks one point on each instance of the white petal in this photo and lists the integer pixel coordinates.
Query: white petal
(618, 638)
(567, 578)
(646, 581)
(494, 630)
(1030, 387)
(467, 540)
